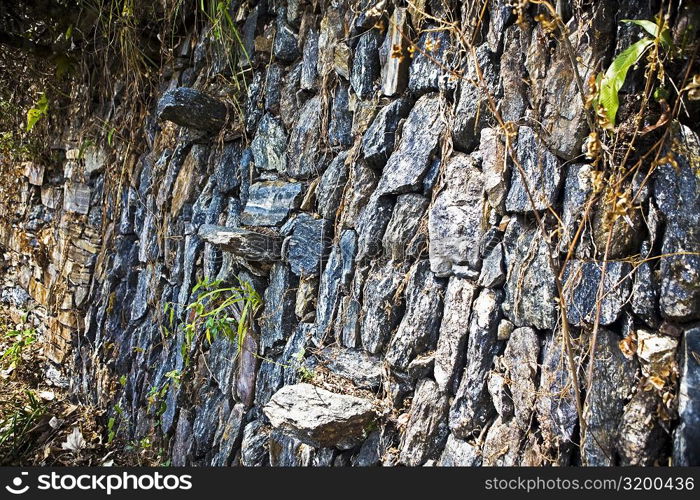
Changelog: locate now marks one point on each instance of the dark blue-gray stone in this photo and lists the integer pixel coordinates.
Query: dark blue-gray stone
(378, 141)
(270, 203)
(308, 245)
(269, 147)
(365, 65)
(192, 108)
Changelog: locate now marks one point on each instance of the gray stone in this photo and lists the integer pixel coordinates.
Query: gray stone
(379, 139)
(542, 175)
(183, 441)
(381, 310)
(472, 406)
(269, 146)
(426, 430)
(330, 188)
(291, 99)
(512, 68)
(492, 273)
(304, 155)
(459, 453)
(255, 444)
(455, 221)
(270, 202)
(500, 15)
(495, 165)
(642, 435)
(308, 245)
(677, 194)
(407, 166)
(340, 124)
(192, 108)
(319, 417)
(645, 291)
(395, 69)
(364, 370)
(530, 287)
(365, 64)
(277, 318)
(432, 62)
(519, 364)
(502, 399)
(226, 171)
(472, 113)
(76, 197)
(402, 238)
(308, 67)
(335, 278)
(288, 451)
(272, 90)
(686, 446)
(454, 329)
(418, 330)
(556, 401)
(248, 245)
(371, 225)
(286, 44)
(581, 281)
(564, 124)
(610, 388)
(502, 444)
(228, 435)
(362, 182)
(577, 189)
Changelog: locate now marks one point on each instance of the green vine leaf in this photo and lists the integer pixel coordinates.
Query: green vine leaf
(37, 112)
(653, 29)
(615, 75)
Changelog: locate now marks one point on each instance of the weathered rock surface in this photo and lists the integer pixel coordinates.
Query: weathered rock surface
(472, 113)
(192, 108)
(330, 188)
(269, 146)
(460, 453)
(304, 156)
(542, 175)
(556, 400)
(406, 168)
(249, 245)
(581, 281)
(677, 194)
(530, 287)
(454, 330)
(379, 139)
(336, 277)
(611, 387)
(426, 429)
(687, 435)
(472, 406)
(307, 248)
(365, 65)
(455, 220)
(270, 203)
(319, 417)
(381, 310)
(402, 238)
(363, 369)
(417, 332)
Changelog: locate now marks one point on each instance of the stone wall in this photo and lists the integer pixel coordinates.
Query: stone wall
(411, 312)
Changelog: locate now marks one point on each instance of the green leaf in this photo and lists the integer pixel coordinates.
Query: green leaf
(615, 76)
(37, 112)
(653, 29)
